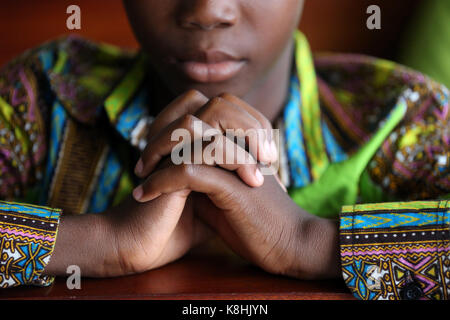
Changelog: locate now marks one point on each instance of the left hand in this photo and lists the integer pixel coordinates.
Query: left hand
(261, 224)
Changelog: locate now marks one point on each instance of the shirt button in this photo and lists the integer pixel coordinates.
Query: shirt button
(411, 291)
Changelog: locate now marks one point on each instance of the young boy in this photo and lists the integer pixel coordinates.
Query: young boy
(76, 115)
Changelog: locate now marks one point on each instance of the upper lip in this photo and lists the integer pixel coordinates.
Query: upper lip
(207, 56)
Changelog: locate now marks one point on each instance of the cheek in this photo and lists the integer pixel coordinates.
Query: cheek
(148, 19)
(273, 32)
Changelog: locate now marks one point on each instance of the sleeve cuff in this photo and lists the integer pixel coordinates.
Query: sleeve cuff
(394, 251)
(27, 239)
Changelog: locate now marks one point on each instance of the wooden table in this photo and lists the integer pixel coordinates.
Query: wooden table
(205, 273)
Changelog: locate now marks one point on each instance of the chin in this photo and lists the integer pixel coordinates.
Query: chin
(212, 90)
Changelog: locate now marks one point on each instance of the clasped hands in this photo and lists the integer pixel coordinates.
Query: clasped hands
(180, 205)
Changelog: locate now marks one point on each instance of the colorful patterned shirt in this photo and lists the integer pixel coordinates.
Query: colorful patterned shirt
(74, 116)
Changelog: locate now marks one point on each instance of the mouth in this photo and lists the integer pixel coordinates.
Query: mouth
(209, 66)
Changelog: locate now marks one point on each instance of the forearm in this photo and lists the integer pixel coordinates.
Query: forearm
(86, 241)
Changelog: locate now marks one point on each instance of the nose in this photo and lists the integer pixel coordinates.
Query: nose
(207, 14)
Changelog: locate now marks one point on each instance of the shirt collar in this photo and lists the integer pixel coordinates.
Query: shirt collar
(128, 104)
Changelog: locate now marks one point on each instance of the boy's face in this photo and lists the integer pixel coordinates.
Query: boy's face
(214, 46)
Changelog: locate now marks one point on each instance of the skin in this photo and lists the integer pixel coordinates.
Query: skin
(167, 216)
(242, 28)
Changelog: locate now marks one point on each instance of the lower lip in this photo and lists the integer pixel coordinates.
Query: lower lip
(211, 72)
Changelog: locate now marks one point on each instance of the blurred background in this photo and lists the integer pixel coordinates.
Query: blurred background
(330, 25)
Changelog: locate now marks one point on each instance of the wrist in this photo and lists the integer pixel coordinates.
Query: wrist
(107, 256)
(315, 249)
(84, 241)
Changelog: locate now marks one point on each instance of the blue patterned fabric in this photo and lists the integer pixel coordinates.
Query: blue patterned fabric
(58, 123)
(135, 111)
(107, 183)
(27, 237)
(334, 150)
(395, 220)
(300, 174)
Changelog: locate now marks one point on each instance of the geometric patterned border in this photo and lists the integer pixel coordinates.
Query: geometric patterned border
(27, 239)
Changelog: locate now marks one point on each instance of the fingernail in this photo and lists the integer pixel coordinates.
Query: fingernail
(137, 193)
(274, 151)
(259, 176)
(267, 150)
(139, 167)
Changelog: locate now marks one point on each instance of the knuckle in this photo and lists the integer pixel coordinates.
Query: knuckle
(145, 152)
(262, 120)
(219, 107)
(149, 154)
(188, 120)
(266, 123)
(147, 186)
(187, 170)
(214, 111)
(255, 123)
(226, 96)
(264, 129)
(252, 124)
(215, 103)
(146, 156)
(192, 93)
(196, 95)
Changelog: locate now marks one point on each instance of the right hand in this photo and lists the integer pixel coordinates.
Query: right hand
(129, 238)
(149, 235)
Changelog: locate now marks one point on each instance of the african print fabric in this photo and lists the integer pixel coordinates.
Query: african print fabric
(27, 238)
(74, 116)
(386, 248)
(66, 141)
(356, 97)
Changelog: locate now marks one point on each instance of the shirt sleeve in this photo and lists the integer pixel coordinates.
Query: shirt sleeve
(397, 250)
(27, 240)
(27, 231)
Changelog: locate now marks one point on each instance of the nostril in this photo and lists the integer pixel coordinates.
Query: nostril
(206, 27)
(224, 25)
(206, 17)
